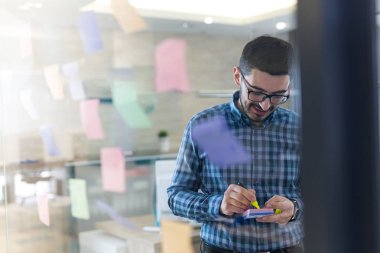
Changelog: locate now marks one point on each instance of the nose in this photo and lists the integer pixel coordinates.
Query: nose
(265, 105)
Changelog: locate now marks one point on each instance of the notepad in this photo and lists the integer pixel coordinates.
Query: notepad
(257, 213)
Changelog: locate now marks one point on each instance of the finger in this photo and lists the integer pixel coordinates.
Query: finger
(277, 202)
(240, 198)
(232, 208)
(249, 194)
(234, 200)
(278, 218)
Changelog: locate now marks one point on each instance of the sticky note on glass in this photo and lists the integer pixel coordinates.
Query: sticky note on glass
(171, 67)
(77, 90)
(43, 208)
(102, 206)
(89, 32)
(113, 169)
(257, 213)
(124, 98)
(90, 119)
(127, 17)
(49, 141)
(219, 143)
(27, 103)
(133, 115)
(176, 237)
(123, 92)
(54, 81)
(78, 198)
(71, 70)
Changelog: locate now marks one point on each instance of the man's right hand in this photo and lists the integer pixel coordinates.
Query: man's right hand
(236, 199)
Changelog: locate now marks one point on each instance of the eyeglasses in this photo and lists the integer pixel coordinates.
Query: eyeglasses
(257, 96)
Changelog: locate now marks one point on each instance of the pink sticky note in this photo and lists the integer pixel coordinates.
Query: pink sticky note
(113, 169)
(54, 81)
(43, 208)
(90, 119)
(170, 63)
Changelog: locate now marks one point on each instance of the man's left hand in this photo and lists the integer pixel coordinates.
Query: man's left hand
(278, 202)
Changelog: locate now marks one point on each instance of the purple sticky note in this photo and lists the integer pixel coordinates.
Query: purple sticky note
(220, 145)
(71, 70)
(257, 213)
(114, 215)
(48, 140)
(89, 32)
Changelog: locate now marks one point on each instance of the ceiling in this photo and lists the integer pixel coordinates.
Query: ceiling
(233, 17)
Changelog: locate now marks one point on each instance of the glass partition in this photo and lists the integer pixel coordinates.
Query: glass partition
(90, 85)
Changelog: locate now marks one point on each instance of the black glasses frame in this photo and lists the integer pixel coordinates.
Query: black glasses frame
(265, 96)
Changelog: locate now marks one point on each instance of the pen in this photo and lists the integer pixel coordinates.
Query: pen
(255, 203)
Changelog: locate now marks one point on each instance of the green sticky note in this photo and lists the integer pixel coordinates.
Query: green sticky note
(124, 92)
(78, 197)
(133, 115)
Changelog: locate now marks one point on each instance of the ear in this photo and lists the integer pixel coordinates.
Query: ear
(236, 76)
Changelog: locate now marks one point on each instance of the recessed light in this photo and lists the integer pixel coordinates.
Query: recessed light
(209, 20)
(281, 25)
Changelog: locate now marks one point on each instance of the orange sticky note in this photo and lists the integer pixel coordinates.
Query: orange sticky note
(176, 237)
(128, 18)
(54, 81)
(90, 119)
(43, 208)
(113, 169)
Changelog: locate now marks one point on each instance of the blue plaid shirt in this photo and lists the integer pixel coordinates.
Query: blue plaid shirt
(198, 185)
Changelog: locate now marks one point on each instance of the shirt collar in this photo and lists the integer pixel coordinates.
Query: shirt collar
(238, 115)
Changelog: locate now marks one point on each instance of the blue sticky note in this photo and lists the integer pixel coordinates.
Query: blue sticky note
(48, 140)
(219, 143)
(89, 32)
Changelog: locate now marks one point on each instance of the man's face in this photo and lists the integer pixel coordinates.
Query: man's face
(257, 83)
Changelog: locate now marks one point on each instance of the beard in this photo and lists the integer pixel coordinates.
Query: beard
(254, 111)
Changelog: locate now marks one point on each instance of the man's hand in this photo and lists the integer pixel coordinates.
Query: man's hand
(278, 202)
(236, 199)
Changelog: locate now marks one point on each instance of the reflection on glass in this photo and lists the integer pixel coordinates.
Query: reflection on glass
(63, 65)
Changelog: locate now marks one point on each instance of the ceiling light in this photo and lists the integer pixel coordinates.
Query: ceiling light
(281, 25)
(223, 11)
(222, 8)
(209, 20)
(30, 5)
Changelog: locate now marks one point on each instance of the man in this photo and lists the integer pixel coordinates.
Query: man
(210, 193)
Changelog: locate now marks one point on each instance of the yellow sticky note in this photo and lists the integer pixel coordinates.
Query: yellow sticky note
(78, 197)
(176, 237)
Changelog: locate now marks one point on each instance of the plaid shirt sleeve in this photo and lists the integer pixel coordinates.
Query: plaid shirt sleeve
(184, 198)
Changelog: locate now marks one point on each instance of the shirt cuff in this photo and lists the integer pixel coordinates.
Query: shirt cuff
(214, 205)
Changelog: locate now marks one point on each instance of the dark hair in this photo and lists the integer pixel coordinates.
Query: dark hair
(268, 54)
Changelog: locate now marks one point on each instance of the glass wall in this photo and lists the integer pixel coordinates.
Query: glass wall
(90, 85)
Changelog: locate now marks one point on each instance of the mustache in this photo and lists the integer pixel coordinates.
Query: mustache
(258, 107)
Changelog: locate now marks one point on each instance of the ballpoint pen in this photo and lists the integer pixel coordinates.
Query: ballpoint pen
(255, 203)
